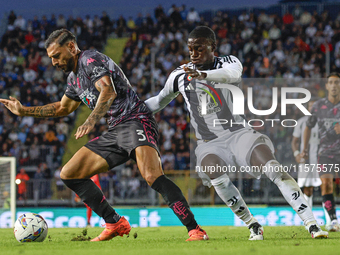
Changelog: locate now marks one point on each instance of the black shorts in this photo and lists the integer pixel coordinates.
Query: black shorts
(328, 165)
(118, 144)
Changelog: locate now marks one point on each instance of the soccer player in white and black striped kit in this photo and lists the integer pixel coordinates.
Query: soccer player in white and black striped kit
(226, 144)
(308, 177)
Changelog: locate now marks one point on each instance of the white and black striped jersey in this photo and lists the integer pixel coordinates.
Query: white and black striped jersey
(197, 93)
(313, 141)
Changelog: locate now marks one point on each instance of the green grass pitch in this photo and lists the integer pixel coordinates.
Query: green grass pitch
(171, 240)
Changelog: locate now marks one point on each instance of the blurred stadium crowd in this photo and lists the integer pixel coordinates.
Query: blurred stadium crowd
(270, 46)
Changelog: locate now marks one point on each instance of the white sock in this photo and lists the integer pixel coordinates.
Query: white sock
(290, 191)
(309, 200)
(328, 219)
(232, 197)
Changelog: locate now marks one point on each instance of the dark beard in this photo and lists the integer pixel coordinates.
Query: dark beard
(70, 65)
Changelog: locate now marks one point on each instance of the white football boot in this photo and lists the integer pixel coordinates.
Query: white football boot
(333, 226)
(256, 232)
(317, 232)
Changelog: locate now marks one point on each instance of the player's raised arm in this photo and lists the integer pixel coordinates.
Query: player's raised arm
(107, 94)
(295, 147)
(165, 96)
(57, 109)
(306, 137)
(230, 72)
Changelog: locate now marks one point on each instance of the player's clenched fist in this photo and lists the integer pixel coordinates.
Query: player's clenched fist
(194, 73)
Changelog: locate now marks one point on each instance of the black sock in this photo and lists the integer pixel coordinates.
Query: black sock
(174, 198)
(329, 204)
(91, 195)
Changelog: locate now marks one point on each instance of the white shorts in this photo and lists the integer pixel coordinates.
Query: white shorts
(308, 176)
(234, 148)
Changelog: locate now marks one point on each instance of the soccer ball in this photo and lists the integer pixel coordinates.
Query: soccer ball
(30, 227)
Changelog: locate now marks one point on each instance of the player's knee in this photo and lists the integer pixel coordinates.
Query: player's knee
(213, 166)
(215, 175)
(63, 173)
(223, 179)
(308, 191)
(67, 172)
(150, 178)
(329, 187)
(278, 176)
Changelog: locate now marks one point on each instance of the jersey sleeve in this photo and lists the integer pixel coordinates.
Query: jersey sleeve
(230, 72)
(297, 129)
(70, 93)
(95, 67)
(166, 95)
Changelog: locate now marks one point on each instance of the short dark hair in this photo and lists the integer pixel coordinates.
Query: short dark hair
(333, 74)
(203, 32)
(60, 36)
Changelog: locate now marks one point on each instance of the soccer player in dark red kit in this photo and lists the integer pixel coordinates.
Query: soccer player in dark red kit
(100, 84)
(326, 113)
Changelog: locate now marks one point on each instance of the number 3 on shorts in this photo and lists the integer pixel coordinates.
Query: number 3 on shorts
(140, 132)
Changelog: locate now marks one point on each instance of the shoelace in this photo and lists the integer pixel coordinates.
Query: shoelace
(198, 229)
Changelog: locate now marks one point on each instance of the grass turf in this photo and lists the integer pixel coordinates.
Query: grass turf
(171, 240)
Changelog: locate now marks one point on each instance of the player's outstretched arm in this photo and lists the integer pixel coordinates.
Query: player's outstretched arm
(165, 96)
(231, 72)
(57, 109)
(295, 147)
(306, 137)
(107, 94)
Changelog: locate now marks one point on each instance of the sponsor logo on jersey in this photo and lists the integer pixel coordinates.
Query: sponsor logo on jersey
(189, 87)
(88, 98)
(208, 100)
(330, 122)
(90, 60)
(99, 71)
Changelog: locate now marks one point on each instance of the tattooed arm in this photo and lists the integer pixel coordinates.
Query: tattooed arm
(107, 94)
(57, 109)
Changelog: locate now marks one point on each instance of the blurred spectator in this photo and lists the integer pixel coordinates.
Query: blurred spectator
(305, 18)
(243, 17)
(47, 177)
(21, 179)
(39, 182)
(11, 18)
(133, 187)
(297, 12)
(131, 24)
(274, 33)
(88, 22)
(184, 12)
(20, 22)
(193, 16)
(58, 181)
(288, 18)
(61, 21)
(159, 12)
